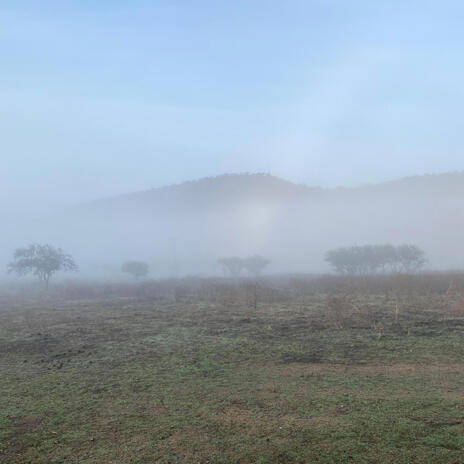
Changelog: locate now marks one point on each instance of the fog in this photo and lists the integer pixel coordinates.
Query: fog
(185, 229)
(107, 111)
(231, 231)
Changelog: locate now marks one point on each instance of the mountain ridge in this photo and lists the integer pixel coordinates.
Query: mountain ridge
(246, 184)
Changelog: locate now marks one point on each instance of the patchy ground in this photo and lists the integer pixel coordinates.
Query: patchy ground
(362, 379)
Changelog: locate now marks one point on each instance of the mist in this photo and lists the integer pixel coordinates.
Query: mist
(231, 232)
(185, 229)
(320, 94)
(132, 99)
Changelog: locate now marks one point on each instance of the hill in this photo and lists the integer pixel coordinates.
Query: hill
(211, 193)
(185, 228)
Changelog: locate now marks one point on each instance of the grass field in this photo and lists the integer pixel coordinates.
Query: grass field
(359, 377)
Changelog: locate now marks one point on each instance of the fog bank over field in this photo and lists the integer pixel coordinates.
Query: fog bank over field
(184, 229)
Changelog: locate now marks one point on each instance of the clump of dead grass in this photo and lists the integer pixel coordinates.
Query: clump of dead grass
(343, 311)
(456, 307)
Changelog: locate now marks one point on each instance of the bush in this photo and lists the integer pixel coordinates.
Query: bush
(371, 259)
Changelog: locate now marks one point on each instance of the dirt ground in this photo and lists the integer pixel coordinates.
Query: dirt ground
(243, 376)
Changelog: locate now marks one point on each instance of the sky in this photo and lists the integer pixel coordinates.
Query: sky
(102, 98)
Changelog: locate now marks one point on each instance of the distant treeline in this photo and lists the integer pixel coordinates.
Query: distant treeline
(372, 259)
(44, 261)
(234, 265)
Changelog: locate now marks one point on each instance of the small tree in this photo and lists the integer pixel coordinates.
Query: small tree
(256, 264)
(343, 260)
(232, 266)
(387, 255)
(137, 269)
(410, 257)
(42, 261)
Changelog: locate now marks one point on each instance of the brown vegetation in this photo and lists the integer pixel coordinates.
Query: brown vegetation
(281, 369)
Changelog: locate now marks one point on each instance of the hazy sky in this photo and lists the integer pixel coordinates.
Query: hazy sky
(104, 97)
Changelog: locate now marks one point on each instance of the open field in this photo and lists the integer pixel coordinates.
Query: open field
(331, 371)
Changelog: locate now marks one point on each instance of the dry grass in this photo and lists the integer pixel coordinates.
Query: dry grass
(216, 371)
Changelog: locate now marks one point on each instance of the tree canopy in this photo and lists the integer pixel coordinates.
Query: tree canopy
(371, 259)
(234, 265)
(42, 261)
(137, 269)
(255, 264)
